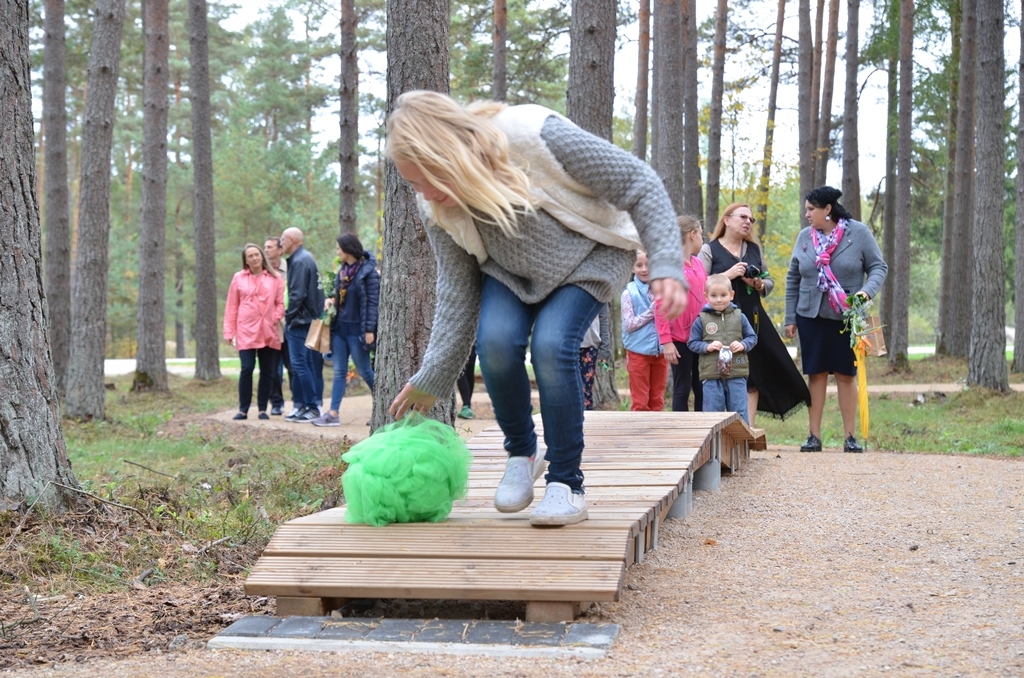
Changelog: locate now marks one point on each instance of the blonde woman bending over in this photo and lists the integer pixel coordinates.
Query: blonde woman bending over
(529, 218)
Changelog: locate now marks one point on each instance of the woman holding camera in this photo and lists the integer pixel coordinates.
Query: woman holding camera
(775, 385)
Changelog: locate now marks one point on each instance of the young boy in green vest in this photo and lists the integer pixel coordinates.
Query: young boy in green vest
(722, 336)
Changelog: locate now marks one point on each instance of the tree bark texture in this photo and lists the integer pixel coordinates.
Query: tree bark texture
(55, 187)
(590, 99)
(958, 330)
(851, 143)
(946, 278)
(900, 265)
(151, 364)
(417, 39)
(805, 114)
(889, 199)
(667, 128)
(500, 86)
(769, 132)
(986, 363)
(643, 67)
(715, 122)
(349, 117)
(590, 105)
(816, 84)
(32, 447)
(1018, 288)
(205, 329)
(89, 279)
(693, 198)
(828, 82)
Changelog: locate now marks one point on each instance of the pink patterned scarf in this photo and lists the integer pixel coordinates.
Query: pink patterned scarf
(824, 246)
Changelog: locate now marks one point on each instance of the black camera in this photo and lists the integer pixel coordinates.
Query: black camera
(752, 271)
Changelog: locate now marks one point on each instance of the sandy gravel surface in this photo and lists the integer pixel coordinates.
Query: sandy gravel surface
(803, 565)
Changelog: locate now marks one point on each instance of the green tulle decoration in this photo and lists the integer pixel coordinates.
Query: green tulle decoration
(406, 472)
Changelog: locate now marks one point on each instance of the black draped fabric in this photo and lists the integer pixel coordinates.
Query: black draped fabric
(772, 371)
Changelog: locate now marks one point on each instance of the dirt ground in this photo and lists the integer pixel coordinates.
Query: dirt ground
(803, 564)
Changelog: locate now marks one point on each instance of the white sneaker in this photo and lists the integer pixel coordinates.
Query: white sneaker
(560, 506)
(515, 491)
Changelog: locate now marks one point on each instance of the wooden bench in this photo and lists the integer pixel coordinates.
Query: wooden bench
(639, 467)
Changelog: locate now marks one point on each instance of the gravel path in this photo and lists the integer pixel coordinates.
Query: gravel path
(804, 564)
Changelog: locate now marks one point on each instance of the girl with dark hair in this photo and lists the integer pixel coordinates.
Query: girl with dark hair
(833, 258)
(354, 326)
(254, 307)
(774, 385)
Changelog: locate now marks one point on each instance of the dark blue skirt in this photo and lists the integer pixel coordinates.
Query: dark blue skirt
(824, 347)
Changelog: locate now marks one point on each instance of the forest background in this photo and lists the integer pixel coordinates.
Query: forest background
(274, 103)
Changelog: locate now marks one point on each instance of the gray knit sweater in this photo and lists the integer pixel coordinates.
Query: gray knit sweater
(546, 255)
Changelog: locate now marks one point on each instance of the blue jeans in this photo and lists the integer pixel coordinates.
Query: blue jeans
(303, 367)
(726, 395)
(555, 328)
(341, 348)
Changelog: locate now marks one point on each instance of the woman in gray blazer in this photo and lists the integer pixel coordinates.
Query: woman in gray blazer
(833, 258)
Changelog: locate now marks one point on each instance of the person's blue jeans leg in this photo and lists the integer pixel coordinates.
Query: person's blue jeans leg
(302, 375)
(316, 367)
(558, 324)
(361, 359)
(339, 357)
(714, 395)
(736, 397)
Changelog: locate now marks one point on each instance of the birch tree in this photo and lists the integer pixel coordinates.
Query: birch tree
(769, 131)
(900, 265)
(828, 79)
(643, 66)
(715, 122)
(804, 111)
(851, 143)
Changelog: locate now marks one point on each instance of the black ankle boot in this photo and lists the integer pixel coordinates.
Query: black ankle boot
(850, 445)
(813, 444)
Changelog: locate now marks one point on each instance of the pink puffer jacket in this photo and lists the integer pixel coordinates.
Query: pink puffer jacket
(255, 306)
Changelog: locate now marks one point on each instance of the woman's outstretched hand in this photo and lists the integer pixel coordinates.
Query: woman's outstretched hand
(411, 399)
(673, 297)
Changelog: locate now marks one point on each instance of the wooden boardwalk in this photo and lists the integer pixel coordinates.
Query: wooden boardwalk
(640, 469)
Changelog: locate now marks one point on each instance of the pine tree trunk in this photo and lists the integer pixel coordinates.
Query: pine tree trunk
(1018, 288)
(958, 330)
(205, 329)
(805, 114)
(89, 279)
(667, 93)
(715, 122)
(889, 202)
(693, 198)
(643, 67)
(500, 86)
(32, 448)
(58, 234)
(986, 363)
(900, 264)
(590, 97)
(946, 278)
(851, 143)
(417, 40)
(769, 132)
(349, 116)
(816, 86)
(151, 364)
(828, 81)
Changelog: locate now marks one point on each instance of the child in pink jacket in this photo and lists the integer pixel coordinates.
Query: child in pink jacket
(255, 306)
(674, 335)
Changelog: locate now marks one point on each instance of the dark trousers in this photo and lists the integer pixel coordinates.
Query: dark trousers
(277, 378)
(684, 378)
(467, 380)
(268, 368)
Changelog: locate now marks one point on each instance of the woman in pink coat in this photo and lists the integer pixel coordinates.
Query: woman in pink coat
(255, 306)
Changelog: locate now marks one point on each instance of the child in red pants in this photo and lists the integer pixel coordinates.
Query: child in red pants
(647, 367)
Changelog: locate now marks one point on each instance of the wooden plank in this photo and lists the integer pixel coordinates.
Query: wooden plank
(468, 579)
(438, 541)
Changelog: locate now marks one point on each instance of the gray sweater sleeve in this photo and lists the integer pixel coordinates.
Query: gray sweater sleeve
(455, 315)
(626, 182)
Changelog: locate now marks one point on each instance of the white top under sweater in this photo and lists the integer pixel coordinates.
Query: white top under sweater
(546, 254)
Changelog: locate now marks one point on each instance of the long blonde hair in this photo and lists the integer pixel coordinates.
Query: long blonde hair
(727, 212)
(461, 153)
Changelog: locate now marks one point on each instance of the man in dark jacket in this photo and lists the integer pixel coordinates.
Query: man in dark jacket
(305, 304)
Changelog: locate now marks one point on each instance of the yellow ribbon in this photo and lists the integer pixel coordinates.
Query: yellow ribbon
(860, 353)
